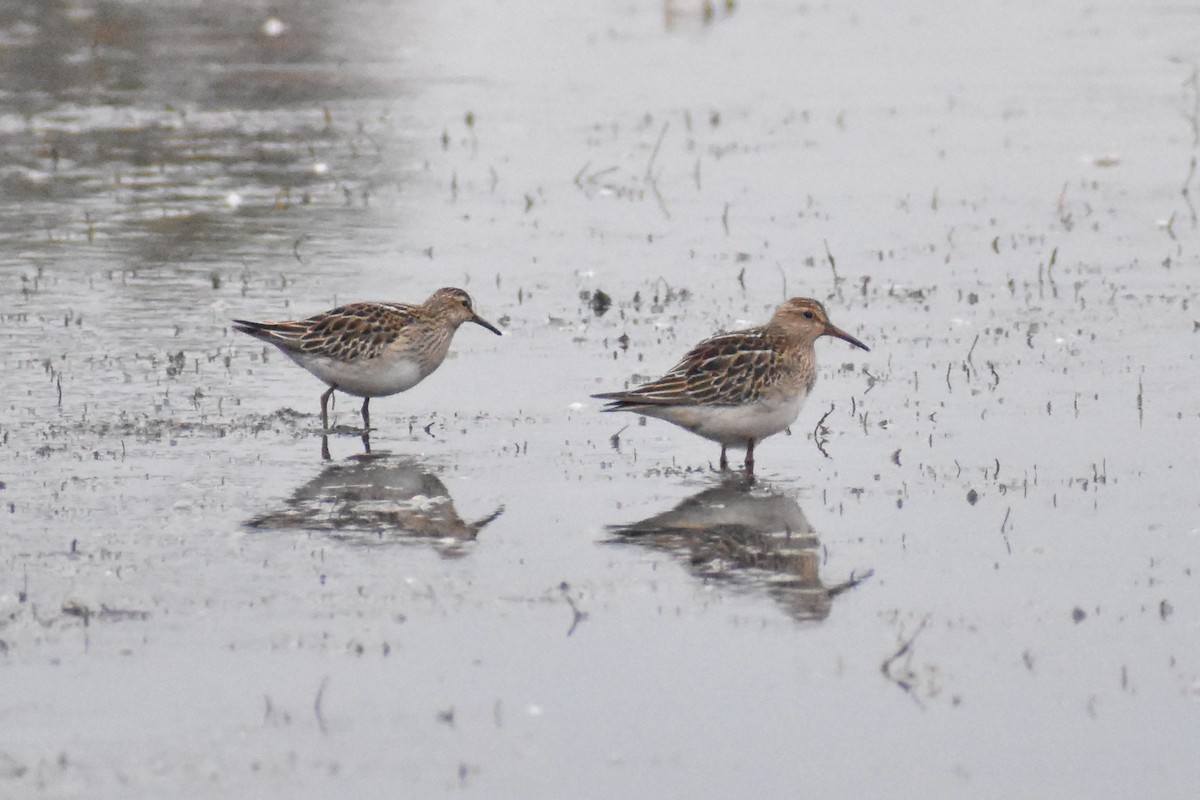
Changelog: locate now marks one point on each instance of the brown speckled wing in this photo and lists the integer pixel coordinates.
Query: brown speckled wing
(358, 330)
(727, 369)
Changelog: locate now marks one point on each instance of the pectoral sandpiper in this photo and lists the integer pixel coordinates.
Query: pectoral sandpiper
(740, 387)
(371, 349)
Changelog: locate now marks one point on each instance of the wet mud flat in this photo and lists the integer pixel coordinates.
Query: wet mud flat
(968, 569)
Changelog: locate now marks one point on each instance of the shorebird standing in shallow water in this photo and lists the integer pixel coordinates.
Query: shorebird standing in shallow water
(371, 349)
(740, 387)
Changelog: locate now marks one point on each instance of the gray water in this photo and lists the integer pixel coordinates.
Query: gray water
(988, 586)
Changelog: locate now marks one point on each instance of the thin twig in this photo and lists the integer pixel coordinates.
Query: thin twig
(654, 154)
(615, 439)
(837, 280)
(1186, 192)
(577, 616)
(317, 706)
(972, 350)
(907, 681)
(820, 433)
(662, 204)
(851, 582)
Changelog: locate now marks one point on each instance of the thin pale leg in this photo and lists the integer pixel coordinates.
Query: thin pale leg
(724, 460)
(325, 408)
(324, 447)
(750, 458)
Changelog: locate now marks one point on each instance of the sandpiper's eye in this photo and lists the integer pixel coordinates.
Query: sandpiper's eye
(808, 315)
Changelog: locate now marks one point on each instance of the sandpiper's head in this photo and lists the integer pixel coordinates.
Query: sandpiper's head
(805, 319)
(455, 305)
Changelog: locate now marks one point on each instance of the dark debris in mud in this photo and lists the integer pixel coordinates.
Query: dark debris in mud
(80, 610)
(153, 429)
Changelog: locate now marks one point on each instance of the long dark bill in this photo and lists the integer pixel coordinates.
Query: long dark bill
(833, 330)
(478, 320)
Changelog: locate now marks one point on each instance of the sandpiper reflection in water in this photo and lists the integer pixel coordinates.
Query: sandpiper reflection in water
(747, 536)
(377, 499)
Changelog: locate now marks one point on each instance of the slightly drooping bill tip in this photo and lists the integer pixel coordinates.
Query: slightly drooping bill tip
(833, 330)
(478, 320)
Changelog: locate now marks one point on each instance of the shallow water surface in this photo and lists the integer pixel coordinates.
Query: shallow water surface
(968, 570)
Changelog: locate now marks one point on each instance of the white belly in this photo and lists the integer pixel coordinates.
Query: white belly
(376, 377)
(732, 426)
